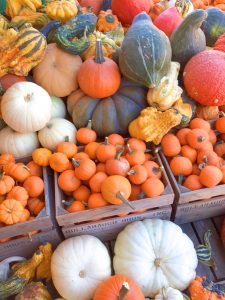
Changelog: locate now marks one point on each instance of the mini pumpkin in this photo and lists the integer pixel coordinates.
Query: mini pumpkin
(106, 21)
(6, 184)
(41, 156)
(18, 193)
(11, 211)
(35, 205)
(34, 186)
(84, 169)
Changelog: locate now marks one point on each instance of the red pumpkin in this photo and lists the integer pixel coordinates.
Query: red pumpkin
(168, 20)
(204, 77)
(126, 10)
(8, 80)
(95, 4)
(220, 43)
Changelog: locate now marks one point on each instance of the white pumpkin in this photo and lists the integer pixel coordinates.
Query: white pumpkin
(58, 108)
(156, 254)
(78, 266)
(169, 294)
(26, 107)
(19, 144)
(56, 131)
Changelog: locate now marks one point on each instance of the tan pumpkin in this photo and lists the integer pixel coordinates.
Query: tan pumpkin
(57, 72)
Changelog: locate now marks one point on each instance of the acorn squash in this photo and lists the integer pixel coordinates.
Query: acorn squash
(188, 39)
(145, 54)
(108, 115)
(214, 25)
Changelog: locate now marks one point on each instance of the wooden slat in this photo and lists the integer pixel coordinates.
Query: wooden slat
(218, 222)
(201, 269)
(218, 252)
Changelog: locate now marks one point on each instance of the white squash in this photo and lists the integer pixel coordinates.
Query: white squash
(58, 108)
(26, 107)
(19, 144)
(56, 131)
(156, 254)
(169, 294)
(78, 266)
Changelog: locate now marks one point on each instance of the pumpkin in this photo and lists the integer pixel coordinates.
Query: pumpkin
(58, 162)
(192, 182)
(197, 138)
(73, 275)
(168, 20)
(207, 112)
(41, 156)
(198, 123)
(34, 186)
(62, 10)
(105, 151)
(220, 122)
(210, 176)
(55, 131)
(6, 184)
(8, 80)
(214, 25)
(134, 156)
(181, 166)
(19, 144)
(126, 10)
(6, 158)
(58, 108)
(118, 285)
(86, 135)
(18, 171)
(96, 200)
(11, 211)
(169, 294)
(57, 72)
(147, 66)
(95, 4)
(153, 187)
(189, 30)
(158, 8)
(167, 92)
(201, 67)
(35, 205)
(180, 255)
(118, 165)
(21, 51)
(90, 149)
(84, 168)
(170, 145)
(68, 148)
(109, 115)
(220, 43)
(137, 174)
(18, 193)
(30, 101)
(68, 182)
(34, 169)
(96, 181)
(106, 21)
(153, 169)
(189, 152)
(82, 194)
(99, 77)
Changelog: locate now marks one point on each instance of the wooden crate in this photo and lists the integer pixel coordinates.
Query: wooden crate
(45, 219)
(67, 219)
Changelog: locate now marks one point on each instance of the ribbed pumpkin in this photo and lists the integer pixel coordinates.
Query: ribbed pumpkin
(204, 77)
(145, 54)
(108, 115)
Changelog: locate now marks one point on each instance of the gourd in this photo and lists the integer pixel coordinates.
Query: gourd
(35, 291)
(29, 101)
(36, 19)
(81, 25)
(19, 144)
(62, 10)
(3, 22)
(205, 65)
(188, 39)
(76, 277)
(13, 7)
(185, 110)
(95, 4)
(126, 10)
(21, 51)
(180, 254)
(57, 72)
(169, 294)
(58, 108)
(185, 7)
(214, 25)
(55, 132)
(109, 115)
(164, 95)
(8, 80)
(152, 124)
(207, 112)
(139, 60)
(106, 21)
(5, 266)
(44, 268)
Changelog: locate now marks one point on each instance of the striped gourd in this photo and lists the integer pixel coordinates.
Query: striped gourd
(3, 22)
(37, 20)
(204, 251)
(23, 53)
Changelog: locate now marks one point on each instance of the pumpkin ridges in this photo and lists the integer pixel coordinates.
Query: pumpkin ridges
(84, 169)
(68, 182)
(181, 166)
(210, 176)
(34, 186)
(18, 193)
(199, 124)
(137, 174)
(197, 138)
(192, 182)
(182, 135)
(11, 211)
(153, 187)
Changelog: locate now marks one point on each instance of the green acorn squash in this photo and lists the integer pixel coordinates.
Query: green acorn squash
(214, 25)
(145, 54)
(188, 39)
(108, 115)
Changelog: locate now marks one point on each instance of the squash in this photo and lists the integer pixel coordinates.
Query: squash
(62, 10)
(21, 51)
(35, 291)
(152, 124)
(58, 108)
(106, 21)
(95, 4)
(184, 7)
(164, 95)
(29, 101)
(8, 80)
(169, 294)
(126, 10)
(49, 30)
(176, 265)
(220, 43)
(205, 65)
(81, 25)
(109, 115)
(55, 132)
(168, 20)
(214, 25)
(207, 112)
(19, 144)
(13, 7)
(3, 22)
(145, 54)
(185, 110)
(117, 35)
(188, 39)
(77, 276)
(57, 72)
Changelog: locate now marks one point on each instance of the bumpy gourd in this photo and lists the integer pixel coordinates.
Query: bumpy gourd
(152, 124)
(78, 27)
(36, 19)
(3, 22)
(44, 268)
(21, 51)
(35, 291)
(13, 7)
(107, 21)
(117, 34)
(185, 109)
(62, 10)
(145, 55)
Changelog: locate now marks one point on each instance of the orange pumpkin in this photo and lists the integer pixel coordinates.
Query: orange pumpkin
(18, 193)
(192, 182)
(74, 206)
(25, 216)
(91, 149)
(96, 181)
(138, 174)
(11, 211)
(153, 169)
(106, 21)
(170, 145)
(207, 157)
(34, 186)
(135, 157)
(68, 181)
(6, 158)
(84, 169)
(197, 138)
(198, 123)
(210, 176)
(17, 171)
(182, 135)
(41, 156)
(34, 169)
(6, 184)
(181, 166)
(86, 135)
(189, 152)
(82, 194)
(153, 187)
(80, 155)
(58, 162)
(105, 151)
(96, 200)
(35, 205)
(95, 4)
(135, 192)
(136, 144)
(118, 165)
(220, 125)
(116, 139)
(101, 168)
(68, 148)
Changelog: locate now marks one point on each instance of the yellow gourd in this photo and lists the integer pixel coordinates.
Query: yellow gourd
(13, 7)
(185, 110)
(62, 10)
(44, 269)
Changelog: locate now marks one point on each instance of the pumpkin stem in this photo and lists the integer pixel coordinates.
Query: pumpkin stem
(129, 149)
(201, 139)
(131, 172)
(157, 149)
(99, 58)
(66, 203)
(89, 125)
(66, 138)
(2, 174)
(157, 170)
(221, 114)
(110, 18)
(180, 179)
(124, 291)
(75, 162)
(107, 141)
(202, 165)
(119, 153)
(120, 196)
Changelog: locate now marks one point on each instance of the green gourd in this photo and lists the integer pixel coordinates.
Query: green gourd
(145, 54)
(188, 39)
